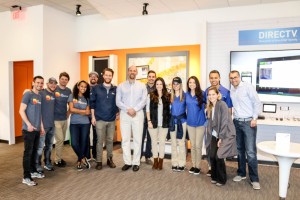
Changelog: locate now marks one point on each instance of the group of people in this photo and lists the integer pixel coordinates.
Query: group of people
(145, 111)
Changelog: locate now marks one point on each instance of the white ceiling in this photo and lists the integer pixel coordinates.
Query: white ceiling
(113, 9)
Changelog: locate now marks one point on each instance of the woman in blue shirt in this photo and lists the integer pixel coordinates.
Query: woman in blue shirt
(195, 121)
(178, 125)
(80, 123)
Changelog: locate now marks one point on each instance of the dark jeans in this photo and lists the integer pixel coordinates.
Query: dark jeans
(148, 150)
(79, 139)
(94, 147)
(31, 143)
(246, 146)
(47, 140)
(218, 167)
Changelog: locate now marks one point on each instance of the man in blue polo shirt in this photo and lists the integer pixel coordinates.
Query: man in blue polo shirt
(30, 111)
(104, 112)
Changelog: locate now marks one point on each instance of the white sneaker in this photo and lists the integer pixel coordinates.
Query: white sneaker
(37, 175)
(255, 185)
(239, 178)
(29, 182)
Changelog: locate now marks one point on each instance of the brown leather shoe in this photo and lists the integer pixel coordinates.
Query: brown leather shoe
(111, 163)
(99, 166)
(155, 164)
(160, 164)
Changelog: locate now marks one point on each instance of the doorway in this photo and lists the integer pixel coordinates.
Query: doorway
(22, 78)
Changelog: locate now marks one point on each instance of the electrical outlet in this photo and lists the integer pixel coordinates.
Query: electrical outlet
(284, 108)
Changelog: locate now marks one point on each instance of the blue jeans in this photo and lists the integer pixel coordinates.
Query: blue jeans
(94, 147)
(148, 150)
(246, 146)
(79, 139)
(31, 143)
(47, 140)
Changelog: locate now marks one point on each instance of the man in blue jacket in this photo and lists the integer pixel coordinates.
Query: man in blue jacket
(104, 113)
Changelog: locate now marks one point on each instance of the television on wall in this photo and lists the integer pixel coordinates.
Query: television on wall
(275, 74)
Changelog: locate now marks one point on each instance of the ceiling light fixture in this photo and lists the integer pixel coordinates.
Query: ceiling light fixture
(145, 12)
(78, 10)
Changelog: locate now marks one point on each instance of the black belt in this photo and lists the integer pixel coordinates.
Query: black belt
(243, 119)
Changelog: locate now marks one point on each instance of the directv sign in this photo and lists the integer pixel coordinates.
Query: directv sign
(270, 36)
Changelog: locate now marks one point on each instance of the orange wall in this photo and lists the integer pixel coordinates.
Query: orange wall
(194, 61)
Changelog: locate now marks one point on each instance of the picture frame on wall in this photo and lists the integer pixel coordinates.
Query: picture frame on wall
(142, 72)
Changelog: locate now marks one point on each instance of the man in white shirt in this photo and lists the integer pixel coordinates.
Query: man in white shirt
(246, 107)
(131, 99)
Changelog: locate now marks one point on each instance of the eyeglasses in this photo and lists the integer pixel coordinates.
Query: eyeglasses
(232, 78)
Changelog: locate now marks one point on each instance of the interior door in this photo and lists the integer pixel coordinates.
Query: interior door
(23, 76)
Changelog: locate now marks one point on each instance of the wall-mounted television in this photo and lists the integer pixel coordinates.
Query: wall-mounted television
(274, 74)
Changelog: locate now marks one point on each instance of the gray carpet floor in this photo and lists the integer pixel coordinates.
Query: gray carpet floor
(68, 183)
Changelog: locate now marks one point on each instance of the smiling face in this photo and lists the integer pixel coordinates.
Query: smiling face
(214, 79)
(38, 84)
(192, 84)
(159, 85)
(63, 81)
(107, 77)
(93, 79)
(132, 72)
(212, 96)
(51, 86)
(234, 79)
(82, 87)
(151, 78)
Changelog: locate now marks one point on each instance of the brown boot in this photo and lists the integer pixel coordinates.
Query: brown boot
(155, 164)
(111, 163)
(99, 166)
(160, 163)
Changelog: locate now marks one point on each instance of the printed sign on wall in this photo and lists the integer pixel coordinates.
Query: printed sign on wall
(269, 36)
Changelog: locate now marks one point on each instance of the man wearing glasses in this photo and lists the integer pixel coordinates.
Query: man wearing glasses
(246, 107)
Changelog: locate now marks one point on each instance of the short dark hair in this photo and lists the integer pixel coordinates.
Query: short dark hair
(234, 71)
(215, 72)
(37, 77)
(64, 74)
(108, 70)
(151, 71)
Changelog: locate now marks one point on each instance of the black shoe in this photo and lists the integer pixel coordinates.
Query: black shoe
(111, 163)
(126, 167)
(63, 162)
(174, 168)
(180, 169)
(135, 168)
(192, 170)
(79, 167)
(87, 163)
(208, 173)
(196, 171)
(99, 166)
(59, 164)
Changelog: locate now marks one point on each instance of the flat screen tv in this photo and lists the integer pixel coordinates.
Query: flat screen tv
(275, 74)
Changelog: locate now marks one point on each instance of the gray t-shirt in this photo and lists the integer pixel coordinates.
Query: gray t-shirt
(61, 101)
(33, 110)
(81, 103)
(48, 101)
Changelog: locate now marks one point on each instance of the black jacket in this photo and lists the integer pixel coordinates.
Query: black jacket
(154, 112)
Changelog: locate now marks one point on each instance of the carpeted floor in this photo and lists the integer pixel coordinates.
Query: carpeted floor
(68, 183)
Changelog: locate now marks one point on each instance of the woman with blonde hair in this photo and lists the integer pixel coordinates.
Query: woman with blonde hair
(220, 135)
(158, 116)
(178, 125)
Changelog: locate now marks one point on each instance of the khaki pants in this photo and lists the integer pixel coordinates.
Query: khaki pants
(60, 130)
(158, 134)
(105, 131)
(178, 148)
(196, 138)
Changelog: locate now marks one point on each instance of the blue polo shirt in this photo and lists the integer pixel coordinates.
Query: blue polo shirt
(178, 108)
(195, 114)
(225, 96)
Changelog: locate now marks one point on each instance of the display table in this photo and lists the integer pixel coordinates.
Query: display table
(285, 157)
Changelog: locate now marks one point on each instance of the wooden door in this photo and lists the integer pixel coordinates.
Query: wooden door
(23, 76)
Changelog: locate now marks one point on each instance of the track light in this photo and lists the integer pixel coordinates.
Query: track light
(78, 10)
(145, 12)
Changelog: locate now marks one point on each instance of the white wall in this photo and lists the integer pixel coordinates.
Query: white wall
(46, 36)
(96, 33)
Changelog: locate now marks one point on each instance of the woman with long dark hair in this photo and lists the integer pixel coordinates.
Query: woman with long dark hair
(220, 135)
(158, 115)
(80, 123)
(195, 121)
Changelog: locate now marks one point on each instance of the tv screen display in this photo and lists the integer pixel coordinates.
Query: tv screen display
(274, 74)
